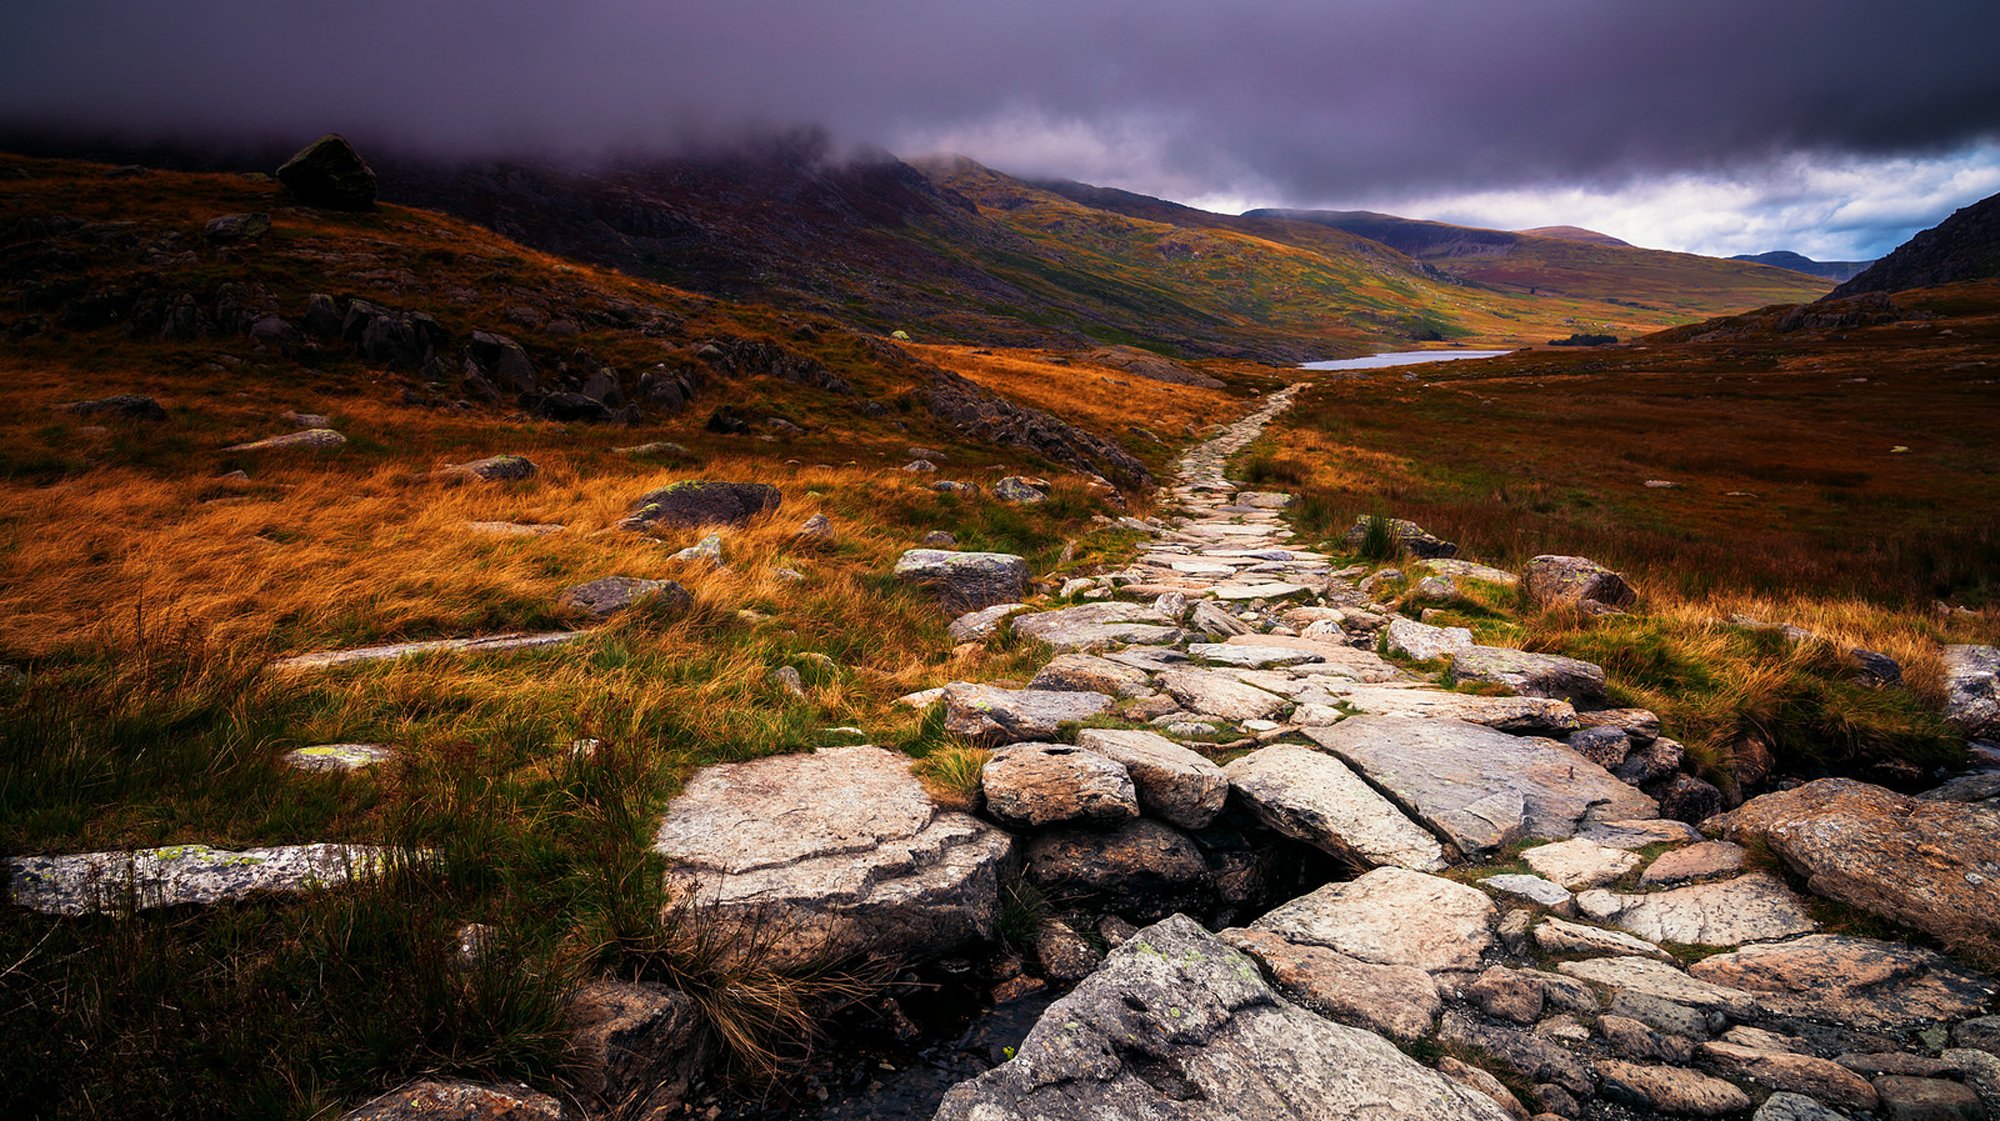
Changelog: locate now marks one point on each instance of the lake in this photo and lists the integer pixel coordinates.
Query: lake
(1401, 358)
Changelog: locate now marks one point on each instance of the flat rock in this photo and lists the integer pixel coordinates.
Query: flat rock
(1931, 865)
(1577, 864)
(976, 626)
(1175, 784)
(1529, 1056)
(965, 581)
(1468, 570)
(172, 875)
(1313, 797)
(1088, 673)
(1860, 982)
(1213, 693)
(1031, 785)
(1274, 589)
(1670, 1089)
(612, 595)
(991, 715)
(835, 851)
(1398, 1001)
(1529, 674)
(1477, 786)
(1555, 936)
(1533, 889)
(1520, 715)
(1639, 833)
(394, 650)
(1648, 977)
(1821, 1079)
(514, 529)
(1705, 861)
(494, 468)
(341, 757)
(1096, 626)
(1249, 657)
(1753, 907)
(1179, 1025)
(325, 439)
(455, 1099)
(1391, 916)
(1422, 642)
(694, 503)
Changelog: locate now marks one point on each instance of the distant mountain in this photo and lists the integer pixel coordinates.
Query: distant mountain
(1965, 246)
(1786, 259)
(1569, 262)
(1573, 233)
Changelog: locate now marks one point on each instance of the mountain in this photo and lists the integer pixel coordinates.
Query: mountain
(1786, 259)
(1965, 246)
(1573, 233)
(1570, 264)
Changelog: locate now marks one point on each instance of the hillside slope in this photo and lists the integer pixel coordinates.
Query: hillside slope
(1563, 264)
(1965, 246)
(1799, 262)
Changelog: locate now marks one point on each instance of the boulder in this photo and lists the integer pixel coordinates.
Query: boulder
(1860, 982)
(495, 357)
(636, 1047)
(1177, 1024)
(1931, 865)
(1174, 784)
(119, 406)
(1409, 536)
(1031, 785)
(1821, 1079)
(1972, 689)
(1556, 581)
(965, 581)
(1794, 1107)
(1399, 1001)
(1142, 866)
(1684, 797)
(1529, 674)
(1391, 916)
(1220, 694)
(174, 875)
(837, 851)
(1670, 1089)
(1607, 747)
(991, 715)
(337, 757)
(692, 504)
(494, 468)
(1312, 797)
(1063, 954)
(320, 439)
(329, 173)
(1422, 642)
(455, 1099)
(1014, 488)
(1651, 763)
(611, 595)
(1904, 1098)
(232, 229)
(1088, 673)
(1481, 788)
(1642, 725)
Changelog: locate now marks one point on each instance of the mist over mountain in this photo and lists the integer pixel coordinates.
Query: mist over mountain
(1797, 262)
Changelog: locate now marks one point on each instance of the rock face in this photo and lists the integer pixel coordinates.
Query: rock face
(990, 715)
(966, 581)
(1931, 865)
(1972, 689)
(610, 595)
(686, 505)
(1529, 674)
(453, 1099)
(1178, 1025)
(1408, 535)
(1031, 785)
(833, 852)
(1391, 916)
(177, 874)
(329, 173)
(1175, 785)
(1312, 797)
(1856, 981)
(1557, 581)
(1479, 787)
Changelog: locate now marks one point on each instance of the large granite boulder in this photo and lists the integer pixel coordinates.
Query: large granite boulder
(329, 173)
(1557, 581)
(965, 581)
(1931, 865)
(1529, 674)
(1031, 785)
(173, 875)
(1312, 797)
(1972, 689)
(1176, 1024)
(1480, 788)
(1175, 784)
(1860, 982)
(834, 852)
(990, 715)
(1391, 916)
(693, 503)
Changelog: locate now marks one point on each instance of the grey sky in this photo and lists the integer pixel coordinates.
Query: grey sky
(1696, 124)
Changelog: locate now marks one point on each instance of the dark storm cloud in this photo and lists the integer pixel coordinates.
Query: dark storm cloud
(1299, 99)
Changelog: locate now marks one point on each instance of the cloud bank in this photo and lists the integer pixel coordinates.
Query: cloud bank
(1476, 106)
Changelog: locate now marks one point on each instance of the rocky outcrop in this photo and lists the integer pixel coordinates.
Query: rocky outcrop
(834, 852)
(1928, 864)
(1177, 1024)
(329, 173)
(1558, 581)
(1859, 982)
(1965, 246)
(965, 581)
(690, 504)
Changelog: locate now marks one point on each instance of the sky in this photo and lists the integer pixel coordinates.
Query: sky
(1831, 127)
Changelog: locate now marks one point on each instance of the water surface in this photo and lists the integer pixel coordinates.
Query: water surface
(1401, 358)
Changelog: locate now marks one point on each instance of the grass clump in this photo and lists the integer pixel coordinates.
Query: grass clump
(951, 775)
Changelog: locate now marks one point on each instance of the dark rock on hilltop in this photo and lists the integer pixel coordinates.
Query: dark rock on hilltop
(329, 173)
(1965, 246)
